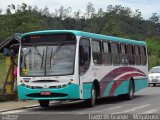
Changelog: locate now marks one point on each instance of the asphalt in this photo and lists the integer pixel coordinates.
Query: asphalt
(146, 101)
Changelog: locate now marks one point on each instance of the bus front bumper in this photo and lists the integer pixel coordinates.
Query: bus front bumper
(66, 93)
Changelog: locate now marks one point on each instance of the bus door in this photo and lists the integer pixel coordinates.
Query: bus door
(84, 62)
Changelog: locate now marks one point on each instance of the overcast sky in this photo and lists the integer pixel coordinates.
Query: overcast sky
(147, 7)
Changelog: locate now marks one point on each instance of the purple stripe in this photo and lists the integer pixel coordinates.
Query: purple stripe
(113, 74)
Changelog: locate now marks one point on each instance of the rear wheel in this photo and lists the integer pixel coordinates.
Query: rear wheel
(92, 101)
(44, 103)
(130, 93)
(154, 84)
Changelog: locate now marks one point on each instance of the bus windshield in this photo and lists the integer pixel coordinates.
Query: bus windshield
(47, 60)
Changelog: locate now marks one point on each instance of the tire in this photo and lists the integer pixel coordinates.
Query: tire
(148, 84)
(92, 101)
(44, 103)
(130, 94)
(154, 84)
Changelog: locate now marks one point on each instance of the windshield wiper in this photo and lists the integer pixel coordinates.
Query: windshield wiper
(55, 52)
(41, 56)
(42, 59)
(24, 57)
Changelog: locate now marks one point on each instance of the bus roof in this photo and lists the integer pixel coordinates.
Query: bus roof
(88, 34)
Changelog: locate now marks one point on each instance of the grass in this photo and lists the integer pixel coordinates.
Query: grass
(2, 69)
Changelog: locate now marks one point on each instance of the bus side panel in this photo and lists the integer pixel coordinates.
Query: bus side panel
(140, 83)
(106, 93)
(87, 87)
(122, 88)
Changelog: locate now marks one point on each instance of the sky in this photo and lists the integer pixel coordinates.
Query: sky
(147, 7)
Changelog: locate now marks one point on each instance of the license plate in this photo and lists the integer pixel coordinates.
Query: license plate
(154, 80)
(45, 93)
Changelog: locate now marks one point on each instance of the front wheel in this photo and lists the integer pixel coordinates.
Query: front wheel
(44, 103)
(92, 101)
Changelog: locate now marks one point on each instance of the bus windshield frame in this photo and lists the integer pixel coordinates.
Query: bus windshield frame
(51, 58)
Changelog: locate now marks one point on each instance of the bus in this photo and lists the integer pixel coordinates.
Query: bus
(76, 65)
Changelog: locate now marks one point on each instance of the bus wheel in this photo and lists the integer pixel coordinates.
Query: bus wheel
(92, 101)
(154, 84)
(44, 103)
(130, 94)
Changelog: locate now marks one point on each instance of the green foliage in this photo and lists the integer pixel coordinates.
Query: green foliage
(115, 21)
(2, 70)
(153, 45)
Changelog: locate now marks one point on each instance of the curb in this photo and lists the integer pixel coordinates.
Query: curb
(6, 110)
(36, 105)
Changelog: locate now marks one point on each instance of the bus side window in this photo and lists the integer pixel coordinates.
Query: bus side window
(123, 56)
(115, 53)
(81, 55)
(137, 56)
(130, 54)
(96, 52)
(106, 55)
(143, 55)
(84, 55)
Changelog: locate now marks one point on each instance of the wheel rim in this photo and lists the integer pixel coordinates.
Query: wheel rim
(131, 92)
(93, 97)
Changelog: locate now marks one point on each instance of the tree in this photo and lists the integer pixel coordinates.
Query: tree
(100, 13)
(138, 15)
(77, 14)
(1, 11)
(24, 7)
(89, 10)
(154, 18)
(45, 12)
(63, 13)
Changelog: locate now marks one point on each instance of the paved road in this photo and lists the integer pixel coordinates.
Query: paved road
(146, 101)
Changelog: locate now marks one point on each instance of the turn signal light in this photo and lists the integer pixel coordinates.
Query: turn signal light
(21, 81)
(71, 81)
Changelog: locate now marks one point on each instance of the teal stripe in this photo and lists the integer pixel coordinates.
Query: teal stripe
(122, 88)
(106, 93)
(87, 34)
(140, 83)
(72, 90)
(87, 90)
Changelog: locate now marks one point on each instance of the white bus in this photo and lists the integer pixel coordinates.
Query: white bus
(76, 65)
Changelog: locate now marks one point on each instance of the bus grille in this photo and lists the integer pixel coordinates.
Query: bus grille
(52, 95)
(45, 81)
